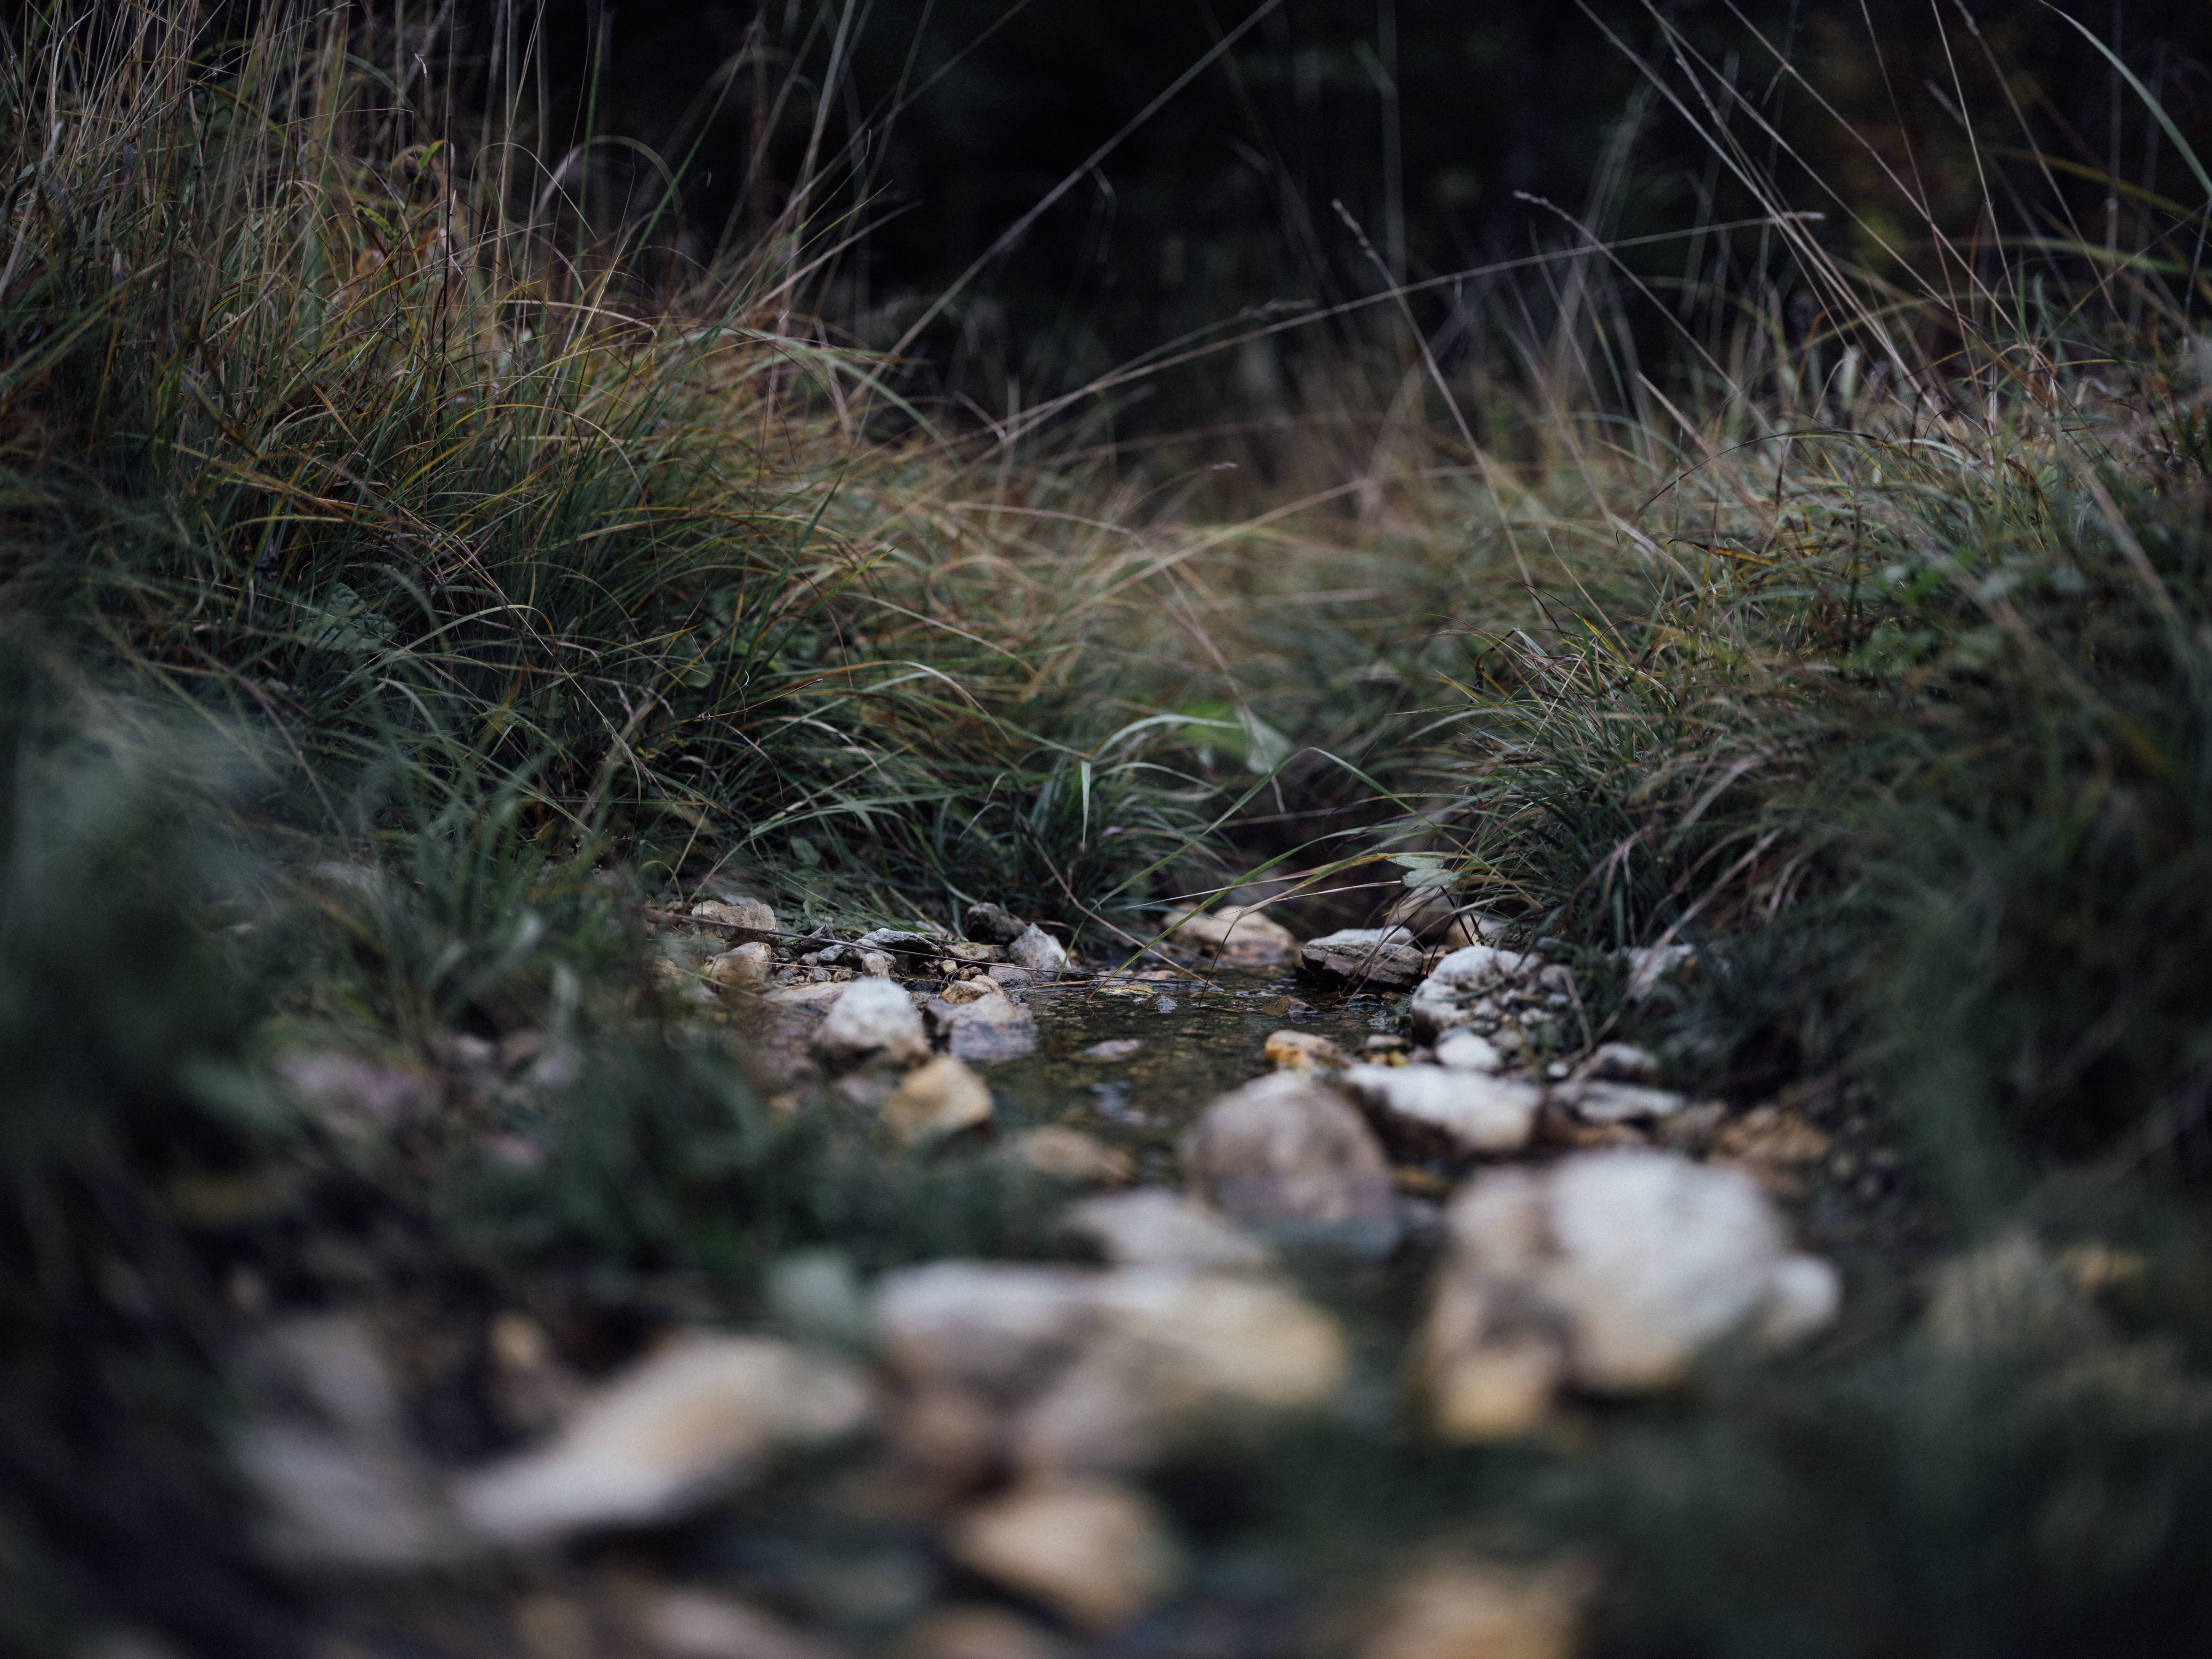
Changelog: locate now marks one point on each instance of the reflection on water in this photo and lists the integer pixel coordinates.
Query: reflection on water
(1132, 1060)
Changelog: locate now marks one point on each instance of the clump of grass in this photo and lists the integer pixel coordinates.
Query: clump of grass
(331, 402)
(1858, 642)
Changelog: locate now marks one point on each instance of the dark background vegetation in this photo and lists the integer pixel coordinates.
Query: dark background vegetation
(1428, 119)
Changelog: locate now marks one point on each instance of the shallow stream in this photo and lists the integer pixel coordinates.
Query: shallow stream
(1196, 1034)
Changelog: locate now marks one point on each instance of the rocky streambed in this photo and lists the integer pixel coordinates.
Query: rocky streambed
(1360, 1184)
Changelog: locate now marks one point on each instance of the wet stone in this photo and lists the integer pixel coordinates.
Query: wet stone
(988, 1028)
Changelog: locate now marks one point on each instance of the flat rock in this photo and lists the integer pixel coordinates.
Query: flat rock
(872, 1016)
(1152, 1227)
(1096, 1552)
(675, 1430)
(939, 1098)
(1285, 1151)
(1598, 1101)
(1622, 1265)
(1235, 935)
(1363, 956)
(1037, 950)
(989, 1028)
(1434, 1108)
(1444, 1001)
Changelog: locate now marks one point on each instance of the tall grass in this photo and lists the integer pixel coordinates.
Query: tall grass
(344, 407)
(336, 398)
(1849, 625)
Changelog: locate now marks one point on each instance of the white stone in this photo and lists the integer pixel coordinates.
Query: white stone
(816, 991)
(982, 1325)
(1460, 1112)
(1599, 1102)
(1627, 1263)
(1622, 1062)
(1037, 950)
(1286, 1150)
(1102, 1370)
(1808, 1294)
(1152, 1227)
(1444, 1001)
(1464, 1051)
(1651, 1257)
(872, 1016)
(675, 1429)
